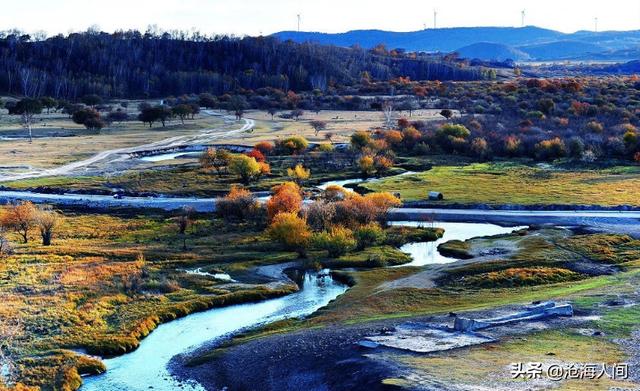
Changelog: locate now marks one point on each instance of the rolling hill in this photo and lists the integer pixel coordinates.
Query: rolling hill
(489, 43)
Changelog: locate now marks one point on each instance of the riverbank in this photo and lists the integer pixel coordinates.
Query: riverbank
(323, 352)
(330, 358)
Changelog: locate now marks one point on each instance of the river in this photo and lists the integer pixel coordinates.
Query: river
(146, 367)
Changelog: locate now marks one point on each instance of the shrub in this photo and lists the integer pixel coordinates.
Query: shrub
(256, 154)
(360, 139)
(299, 173)
(335, 193)
(293, 145)
(265, 147)
(338, 241)
(247, 168)
(367, 165)
(382, 164)
(453, 130)
(550, 149)
(47, 220)
(368, 235)
(320, 215)
(291, 231)
(480, 148)
(393, 137)
(238, 205)
(287, 198)
(359, 210)
(595, 127)
(325, 147)
(217, 159)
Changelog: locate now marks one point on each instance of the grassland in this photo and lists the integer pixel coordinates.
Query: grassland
(109, 279)
(515, 183)
(59, 141)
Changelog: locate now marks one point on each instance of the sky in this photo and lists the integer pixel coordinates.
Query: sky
(255, 17)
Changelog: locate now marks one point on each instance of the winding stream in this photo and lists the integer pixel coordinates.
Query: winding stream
(146, 367)
(426, 253)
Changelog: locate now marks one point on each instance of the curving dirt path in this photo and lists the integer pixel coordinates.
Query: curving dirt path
(204, 137)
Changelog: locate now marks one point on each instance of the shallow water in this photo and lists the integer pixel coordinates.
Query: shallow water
(167, 156)
(217, 276)
(426, 253)
(146, 367)
(344, 182)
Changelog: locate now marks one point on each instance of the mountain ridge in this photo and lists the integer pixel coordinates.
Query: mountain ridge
(538, 43)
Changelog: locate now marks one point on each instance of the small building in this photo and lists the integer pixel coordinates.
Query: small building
(435, 196)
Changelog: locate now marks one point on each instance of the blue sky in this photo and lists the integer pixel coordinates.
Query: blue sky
(253, 17)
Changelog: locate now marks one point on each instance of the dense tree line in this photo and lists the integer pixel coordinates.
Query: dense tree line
(132, 65)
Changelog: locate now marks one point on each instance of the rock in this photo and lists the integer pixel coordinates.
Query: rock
(368, 344)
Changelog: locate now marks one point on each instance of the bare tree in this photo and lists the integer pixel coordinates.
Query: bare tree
(184, 221)
(388, 112)
(46, 219)
(318, 125)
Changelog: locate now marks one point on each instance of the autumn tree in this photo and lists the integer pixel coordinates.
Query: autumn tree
(238, 205)
(286, 198)
(368, 235)
(247, 168)
(265, 147)
(298, 173)
(367, 165)
(336, 241)
(335, 193)
(291, 231)
(360, 139)
(320, 215)
(19, 218)
(218, 159)
(357, 210)
(46, 219)
(293, 145)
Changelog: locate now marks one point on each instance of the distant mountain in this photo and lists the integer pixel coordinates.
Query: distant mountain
(488, 43)
(560, 50)
(492, 52)
(430, 40)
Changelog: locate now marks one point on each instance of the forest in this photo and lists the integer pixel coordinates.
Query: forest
(132, 64)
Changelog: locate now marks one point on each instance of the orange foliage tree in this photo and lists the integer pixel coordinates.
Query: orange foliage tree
(20, 218)
(291, 231)
(360, 210)
(286, 198)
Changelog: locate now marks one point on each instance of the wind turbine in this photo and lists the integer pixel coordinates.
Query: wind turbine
(595, 21)
(435, 18)
(522, 15)
(298, 22)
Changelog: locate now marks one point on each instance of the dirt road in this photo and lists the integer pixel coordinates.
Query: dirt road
(109, 157)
